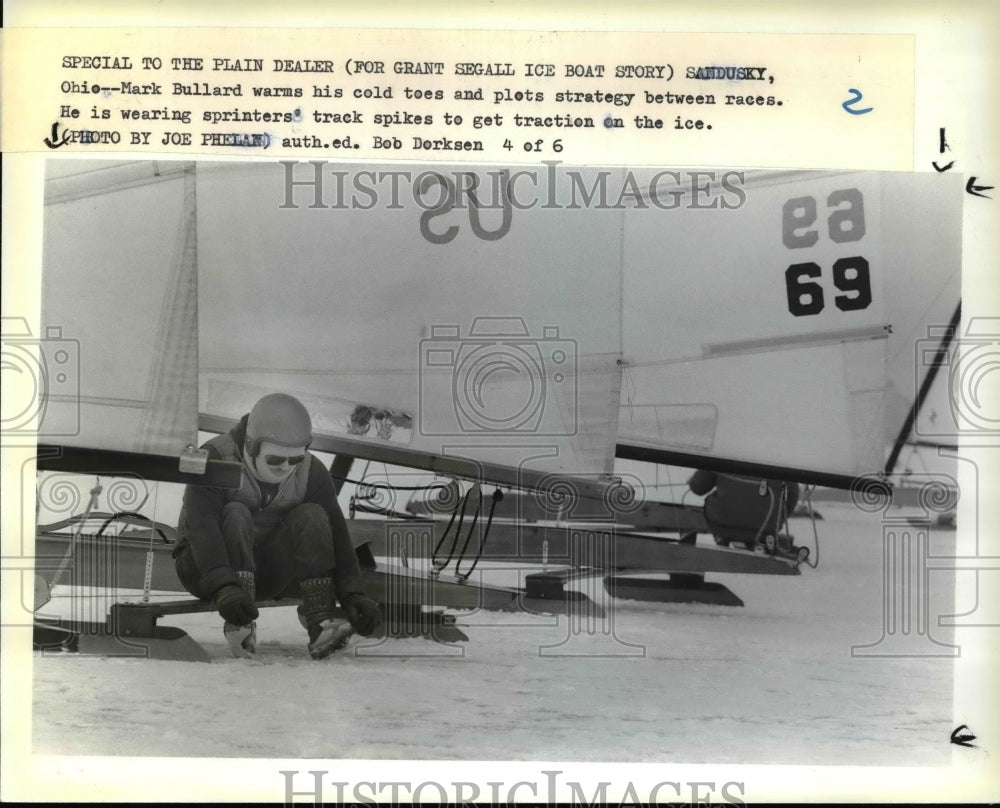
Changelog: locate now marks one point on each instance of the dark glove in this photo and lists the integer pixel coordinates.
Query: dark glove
(363, 612)
(235, 605)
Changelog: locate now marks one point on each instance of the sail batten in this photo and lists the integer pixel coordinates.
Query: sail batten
(795, 341)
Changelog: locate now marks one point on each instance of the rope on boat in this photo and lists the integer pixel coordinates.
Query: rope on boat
(459, 512)
(463, 576)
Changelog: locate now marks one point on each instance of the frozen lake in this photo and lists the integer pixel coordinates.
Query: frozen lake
(772, 682)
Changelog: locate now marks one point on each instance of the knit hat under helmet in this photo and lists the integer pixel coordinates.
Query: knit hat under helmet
(281, 419)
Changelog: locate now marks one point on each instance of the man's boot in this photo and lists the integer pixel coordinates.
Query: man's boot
(326, 634)
(243, 639)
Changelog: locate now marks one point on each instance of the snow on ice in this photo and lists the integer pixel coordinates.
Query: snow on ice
(772, 682)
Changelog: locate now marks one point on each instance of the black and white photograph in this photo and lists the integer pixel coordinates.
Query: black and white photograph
(580, 406)
(509, 463)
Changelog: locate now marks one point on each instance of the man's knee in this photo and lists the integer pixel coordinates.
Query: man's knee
(237, 519)
(310, 518)
(307, 528)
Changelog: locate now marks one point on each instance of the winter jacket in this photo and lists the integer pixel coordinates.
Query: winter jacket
(735, 509)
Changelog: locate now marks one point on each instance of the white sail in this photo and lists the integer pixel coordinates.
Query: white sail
(811, 368)
(119, 299)
(500, 349)
(768, 318)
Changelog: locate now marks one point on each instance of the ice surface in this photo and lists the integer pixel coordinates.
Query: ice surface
(772, 682)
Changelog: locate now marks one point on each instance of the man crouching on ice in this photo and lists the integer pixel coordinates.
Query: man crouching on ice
(280, 534)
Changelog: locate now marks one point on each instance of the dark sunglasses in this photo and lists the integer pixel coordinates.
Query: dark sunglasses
(280, 460)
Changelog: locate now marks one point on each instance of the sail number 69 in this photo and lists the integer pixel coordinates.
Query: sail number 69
(850, 275)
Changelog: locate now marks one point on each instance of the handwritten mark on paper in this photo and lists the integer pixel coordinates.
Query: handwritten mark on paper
(856, 96)
(962, 736)
(54, 142)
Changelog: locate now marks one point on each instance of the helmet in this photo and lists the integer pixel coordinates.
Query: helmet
(281, 419)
